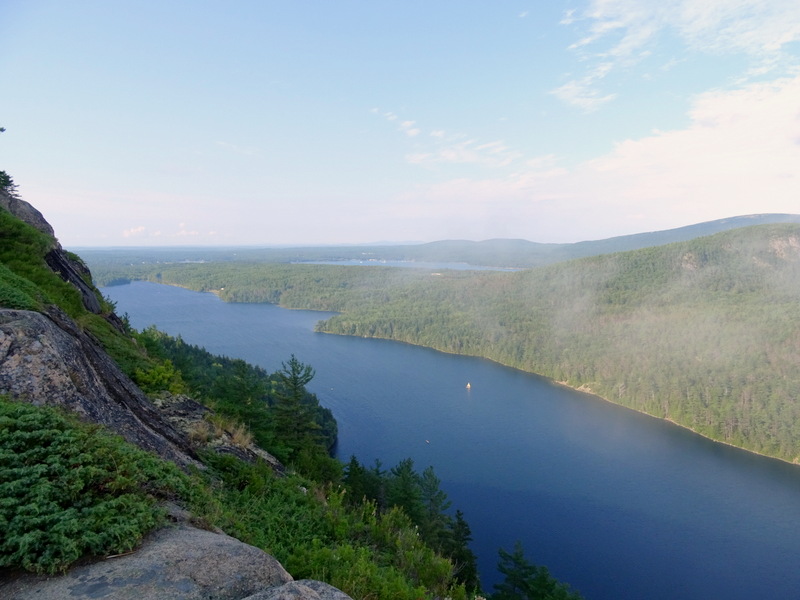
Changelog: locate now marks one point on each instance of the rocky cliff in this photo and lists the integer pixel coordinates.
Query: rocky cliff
(70, 269)
(46, 358)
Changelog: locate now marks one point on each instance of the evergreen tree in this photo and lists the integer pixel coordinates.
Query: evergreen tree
(294, 422)
(375, 484)
(527, 581)
(458, 550)
(434, 525)
(354, 479)
(403, 490)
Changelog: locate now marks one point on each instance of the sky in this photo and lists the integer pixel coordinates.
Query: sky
(243, 122)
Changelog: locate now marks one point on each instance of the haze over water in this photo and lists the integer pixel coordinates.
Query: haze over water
(620, 505)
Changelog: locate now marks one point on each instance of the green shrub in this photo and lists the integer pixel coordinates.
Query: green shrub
(69, 490)
(355, 570)
(17, 292)
(22, 250)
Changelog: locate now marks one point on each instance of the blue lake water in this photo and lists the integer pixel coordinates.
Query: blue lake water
(620, 505)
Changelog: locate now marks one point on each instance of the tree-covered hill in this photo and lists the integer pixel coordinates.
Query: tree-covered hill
(490, 253)
(703, 332)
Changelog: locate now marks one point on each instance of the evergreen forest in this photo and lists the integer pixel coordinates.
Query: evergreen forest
(704, 332)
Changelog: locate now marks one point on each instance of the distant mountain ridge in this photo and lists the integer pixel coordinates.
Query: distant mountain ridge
(524, 253)
(515, 253)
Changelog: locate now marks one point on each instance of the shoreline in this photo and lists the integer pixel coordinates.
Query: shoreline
(583, 388)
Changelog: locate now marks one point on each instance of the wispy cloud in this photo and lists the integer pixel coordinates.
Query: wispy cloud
(583, 93)
(758, 28)
(237, 149)
(134, 231)
(408, 128)
(615, 34)
(739, 145)
(471, 151)
(440, 147)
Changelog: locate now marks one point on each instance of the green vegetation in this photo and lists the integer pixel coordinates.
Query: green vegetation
(22, 252)
(702, 332)
(425, 505)
(526, 581)
(7, 184)
(69, 490)
(283, 417)
(316, 533)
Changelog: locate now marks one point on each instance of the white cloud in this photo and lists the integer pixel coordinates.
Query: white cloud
(134, 231)
(408, 128)
(741, 146)
(236, 149)
(458, 151)
(440, 148)
(184, 232)
(619, 33)
(739, 155)
(757, 28)
(583, 94)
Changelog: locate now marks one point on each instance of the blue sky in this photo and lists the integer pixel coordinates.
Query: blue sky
(270, 123)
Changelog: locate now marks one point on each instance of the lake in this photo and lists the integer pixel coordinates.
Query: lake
(618, 504)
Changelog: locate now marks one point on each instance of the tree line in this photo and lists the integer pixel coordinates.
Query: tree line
(702, 332)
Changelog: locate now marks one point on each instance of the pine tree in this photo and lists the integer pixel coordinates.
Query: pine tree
(458, 550)
(434, 525)
(294, 421)
(527, 581)
(403, 490)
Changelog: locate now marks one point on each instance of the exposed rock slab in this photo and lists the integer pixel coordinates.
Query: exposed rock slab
(180, 563)
(74, 272)
(187, 415)
(305, 589)
(25, 211)
(48, 360)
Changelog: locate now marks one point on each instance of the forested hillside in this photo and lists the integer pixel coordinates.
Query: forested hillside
(489, 253)
(704, 332)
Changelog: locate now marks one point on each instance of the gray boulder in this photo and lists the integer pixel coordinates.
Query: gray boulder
(176, 563)
(304, 589)
(180, 563)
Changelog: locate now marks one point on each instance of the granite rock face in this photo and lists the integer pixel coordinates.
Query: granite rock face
(46, 360)
(176, 563)
(25, 211)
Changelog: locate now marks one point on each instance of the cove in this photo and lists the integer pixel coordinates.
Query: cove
(618, 504)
